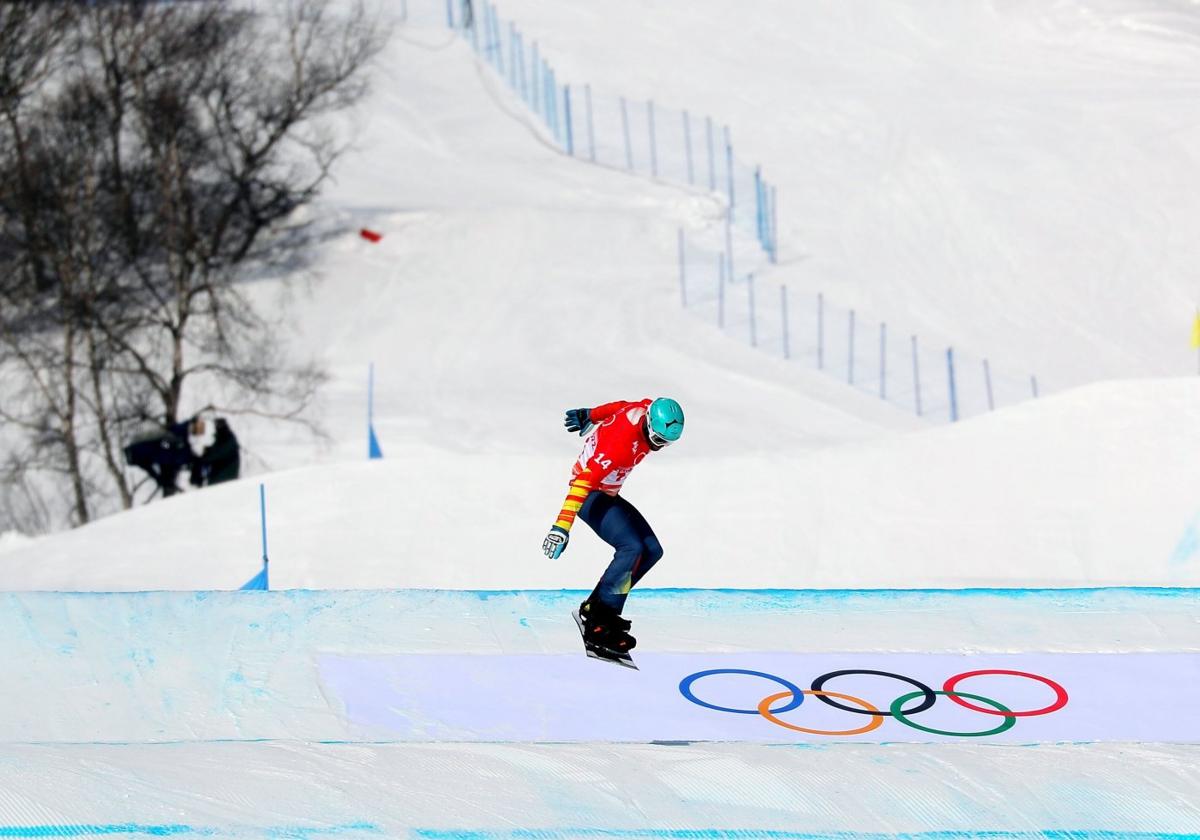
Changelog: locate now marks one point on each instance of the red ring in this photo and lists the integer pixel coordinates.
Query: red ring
(1060, 699)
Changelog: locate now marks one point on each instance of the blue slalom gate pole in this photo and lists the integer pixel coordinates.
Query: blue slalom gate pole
(374, 451)
(262, 515)
(259, 581)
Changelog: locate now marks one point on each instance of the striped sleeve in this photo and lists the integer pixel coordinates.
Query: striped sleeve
(581, 485)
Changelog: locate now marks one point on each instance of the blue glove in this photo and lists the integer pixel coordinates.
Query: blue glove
(577, 419)
(555, 543)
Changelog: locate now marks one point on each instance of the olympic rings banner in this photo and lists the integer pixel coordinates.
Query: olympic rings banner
(770, 697)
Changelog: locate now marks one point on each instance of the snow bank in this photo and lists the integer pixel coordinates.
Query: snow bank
(1093, 487)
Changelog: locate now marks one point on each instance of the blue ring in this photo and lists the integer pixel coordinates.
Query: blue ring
(685, 688)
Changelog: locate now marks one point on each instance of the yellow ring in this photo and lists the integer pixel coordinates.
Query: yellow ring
(764, 709)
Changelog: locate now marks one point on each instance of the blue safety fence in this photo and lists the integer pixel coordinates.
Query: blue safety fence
(638, 136)
(930, 378)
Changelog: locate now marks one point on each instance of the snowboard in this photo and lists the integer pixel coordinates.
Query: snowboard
(600, 652)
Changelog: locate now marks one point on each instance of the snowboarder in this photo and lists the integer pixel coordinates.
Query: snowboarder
(619, 436)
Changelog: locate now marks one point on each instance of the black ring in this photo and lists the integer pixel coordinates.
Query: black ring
(927, 703)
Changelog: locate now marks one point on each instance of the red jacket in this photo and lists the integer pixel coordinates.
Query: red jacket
(616, 444)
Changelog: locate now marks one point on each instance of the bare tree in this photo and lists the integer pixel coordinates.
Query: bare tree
(159, 168)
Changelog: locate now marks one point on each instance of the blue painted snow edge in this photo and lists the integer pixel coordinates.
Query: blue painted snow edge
(675, 592)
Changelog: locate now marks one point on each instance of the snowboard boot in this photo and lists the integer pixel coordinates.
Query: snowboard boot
(604, 627)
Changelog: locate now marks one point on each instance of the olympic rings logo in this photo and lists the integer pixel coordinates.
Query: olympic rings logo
(895, 710)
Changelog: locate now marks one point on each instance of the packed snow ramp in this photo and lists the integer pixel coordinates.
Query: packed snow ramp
(756, 713)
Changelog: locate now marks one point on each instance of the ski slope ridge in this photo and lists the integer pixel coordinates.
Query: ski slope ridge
(1094, 487)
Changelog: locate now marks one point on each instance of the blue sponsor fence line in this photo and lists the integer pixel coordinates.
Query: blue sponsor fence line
(644, 138)
(681, 147)
(937, 382)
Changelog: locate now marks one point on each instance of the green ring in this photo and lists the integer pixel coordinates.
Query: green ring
(898, 713)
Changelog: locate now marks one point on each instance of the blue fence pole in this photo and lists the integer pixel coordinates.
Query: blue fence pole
(721, 291)
(729, 165)
(758, 206)
(753, 320)
(513, 64)
(450, 13)
(820, 332)
(1033, 383)
(650, 132)
(499, 43)
(534, 81)
(953, 387)
(625, 131)
(518, 61)
(850, 365)
(987, 380)
(783, 306)
(712, 163)
(729, 242)
(473, 24)
(774, 226)
(682, 271)
(883, 361)
(567, 120)
(687, 146)
(489, 45)
(554, 121)
(587, 96)
(916, 375)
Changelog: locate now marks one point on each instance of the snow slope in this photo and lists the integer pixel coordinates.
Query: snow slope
(512, 283)
(1019, 179)
(1094, 487)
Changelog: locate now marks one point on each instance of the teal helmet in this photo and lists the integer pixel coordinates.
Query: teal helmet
(664, 422)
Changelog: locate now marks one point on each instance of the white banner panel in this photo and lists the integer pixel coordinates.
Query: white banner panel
(1009, 698)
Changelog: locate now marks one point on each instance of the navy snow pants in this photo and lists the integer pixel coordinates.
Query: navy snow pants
(619, 524)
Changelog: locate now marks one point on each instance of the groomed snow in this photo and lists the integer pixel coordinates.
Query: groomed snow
(1095, 487)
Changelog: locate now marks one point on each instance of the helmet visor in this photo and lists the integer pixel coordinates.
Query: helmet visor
(657, 440)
